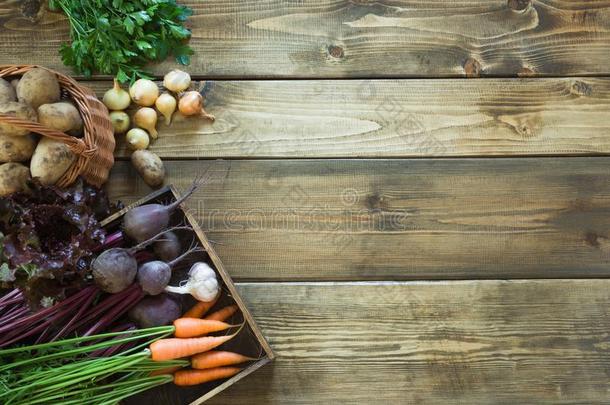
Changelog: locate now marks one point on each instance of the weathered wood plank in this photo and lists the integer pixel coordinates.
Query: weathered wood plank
(326, 38)
(397, 118)
(399, 219)
(471, 342)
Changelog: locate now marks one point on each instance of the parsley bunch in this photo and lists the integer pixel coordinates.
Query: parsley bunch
(119, 37)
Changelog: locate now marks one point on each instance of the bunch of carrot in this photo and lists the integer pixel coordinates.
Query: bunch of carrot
(64, 372)
(206, 364)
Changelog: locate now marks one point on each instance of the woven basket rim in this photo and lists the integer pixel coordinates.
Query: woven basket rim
(95, 149)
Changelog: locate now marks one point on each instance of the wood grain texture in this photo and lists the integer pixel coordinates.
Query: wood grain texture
(397, 118)
(471, 342)
(399, 219)
(326, 38)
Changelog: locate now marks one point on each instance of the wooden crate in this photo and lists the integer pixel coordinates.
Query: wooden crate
(249, 341)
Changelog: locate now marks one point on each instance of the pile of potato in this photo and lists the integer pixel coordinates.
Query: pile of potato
(36, 96)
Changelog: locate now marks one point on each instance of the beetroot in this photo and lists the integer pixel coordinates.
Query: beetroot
(154, 276)
(115, 269)
(144, 221)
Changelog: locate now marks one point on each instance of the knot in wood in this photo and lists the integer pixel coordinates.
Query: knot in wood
(518, 5)
(525, 72)
(335, 51)
(581, 88)
(472, 68)
(31, 9)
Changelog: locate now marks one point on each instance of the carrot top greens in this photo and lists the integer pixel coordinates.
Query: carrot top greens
(119, 37)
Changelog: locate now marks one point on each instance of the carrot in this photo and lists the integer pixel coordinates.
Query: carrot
(200, 308)
(222, 314)
(175, 348)
(195, 377)
(217, 358)
(193, 327)
(163, 371)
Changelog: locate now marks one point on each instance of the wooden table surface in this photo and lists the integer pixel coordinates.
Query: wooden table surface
(401, 234)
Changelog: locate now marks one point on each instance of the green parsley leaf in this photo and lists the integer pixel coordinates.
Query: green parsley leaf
(120, 37)
(129, 25)
(143, 45)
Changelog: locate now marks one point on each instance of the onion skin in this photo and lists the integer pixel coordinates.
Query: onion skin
(146, 118)
(144, 92)
(191, 103)
(120, 121)
(137, 139)
(166, 104)
(177, 81)
(116, 98)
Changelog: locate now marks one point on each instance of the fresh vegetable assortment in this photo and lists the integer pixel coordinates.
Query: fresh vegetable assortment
(87, 312)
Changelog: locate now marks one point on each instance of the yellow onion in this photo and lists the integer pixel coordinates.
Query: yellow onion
(191, 103)
(177, 81)
(137, 139)
(166, 104)
(116, 98)
(144, 92)
(146, 118)
(120, 121)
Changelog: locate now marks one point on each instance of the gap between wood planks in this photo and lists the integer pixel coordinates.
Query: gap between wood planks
(388, 282)
(195, 77)
(389, 157)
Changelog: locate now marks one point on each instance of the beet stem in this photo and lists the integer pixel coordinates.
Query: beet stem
(134, 296)
(44, 334)
(171, 207)
(113, 240)
(46, 311)
(11, 301)
(58, 318)
(102, 306)
(14, 314)
(76, 316)
(10, 295)
(175, 261)
(142, 245)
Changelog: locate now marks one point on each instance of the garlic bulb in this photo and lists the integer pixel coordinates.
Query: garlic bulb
(166, 104)
(146, 118)
(202, 283)
(116, 98)
(144, 92)
(177, 81)
(137, 139)
(191, 103)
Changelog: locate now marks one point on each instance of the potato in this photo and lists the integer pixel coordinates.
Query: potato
(7, 92)
(62, 116)
(38, 87)
(16, 148)
(14, 83)
(18, 110)
(50, 161)
(13, 178)
(149, 166)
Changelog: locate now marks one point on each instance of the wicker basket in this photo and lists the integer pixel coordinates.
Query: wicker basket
(95, 149)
